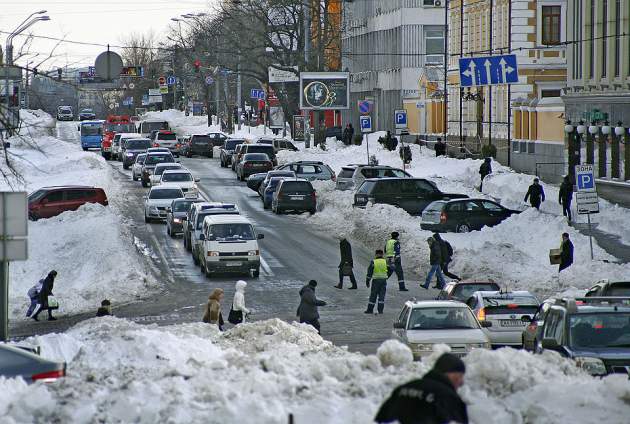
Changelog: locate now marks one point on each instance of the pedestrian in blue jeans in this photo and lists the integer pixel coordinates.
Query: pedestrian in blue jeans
(435, 259)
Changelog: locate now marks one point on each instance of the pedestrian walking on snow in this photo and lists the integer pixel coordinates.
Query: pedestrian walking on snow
(566, 252)
(433, 399)
(440, 147)
(239, 311)
(394, 261)
(44, 294)
(535, 194)
(565, 197)
(308, 310)
(435, 260)
(346, 263)
(377, 274)
(484, 170)
(446, 251)
(33, 295)
(212, 313)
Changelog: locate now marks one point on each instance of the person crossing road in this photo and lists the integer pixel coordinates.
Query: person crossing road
(394, 262)
(377, 274)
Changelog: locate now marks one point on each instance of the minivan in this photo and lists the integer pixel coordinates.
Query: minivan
(51, 201)
(146, 127)
(258, 148)
(229, 244)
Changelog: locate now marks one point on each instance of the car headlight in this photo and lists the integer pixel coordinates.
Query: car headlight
(129, 154)
(177, 220)
(593, 366)
(484, 345)
(212, 253)
(253, 253)
(153, 208)
(421, 347)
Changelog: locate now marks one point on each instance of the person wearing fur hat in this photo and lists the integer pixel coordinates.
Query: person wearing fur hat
(433, 399)
(212, 313)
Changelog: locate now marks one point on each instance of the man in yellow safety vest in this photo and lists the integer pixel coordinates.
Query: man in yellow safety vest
(392, 254)
(377, 274)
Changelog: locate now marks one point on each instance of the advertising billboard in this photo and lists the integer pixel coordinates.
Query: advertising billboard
(276, 117)
(324, 90)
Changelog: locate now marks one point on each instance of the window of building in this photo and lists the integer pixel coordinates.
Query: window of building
(551, 24)
(604, 38)
(550, 93)
(434, 45)
(617, 38)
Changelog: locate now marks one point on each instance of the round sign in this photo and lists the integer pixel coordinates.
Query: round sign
(162, 80)
(209, 80)
(111, 105)
(132, 86)
(316, 94)
(108, 65)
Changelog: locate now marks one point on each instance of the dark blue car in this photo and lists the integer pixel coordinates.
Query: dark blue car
(269, 190)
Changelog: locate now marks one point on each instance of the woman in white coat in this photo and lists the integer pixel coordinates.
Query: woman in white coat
(238, 304)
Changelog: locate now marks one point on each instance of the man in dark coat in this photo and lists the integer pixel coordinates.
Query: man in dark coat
(345, 137)
(433, 399)
(536, 194)
(435, 260)
(350, 134)
(47, 288)
(440, 147)
(484, 170)
(446, 251)
(346, 264)
(307, 311)
(566, 196)
(566, 252)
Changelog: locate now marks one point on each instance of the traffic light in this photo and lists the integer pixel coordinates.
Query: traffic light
(59, 72)
(35, 71)
(197, 65)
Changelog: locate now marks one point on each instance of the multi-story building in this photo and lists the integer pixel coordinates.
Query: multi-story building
(387, 45)
(524, 120)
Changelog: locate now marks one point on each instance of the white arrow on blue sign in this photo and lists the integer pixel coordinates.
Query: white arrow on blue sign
(365, 123)
(488, 70)
(257, 94)
(171, 80)
(400, 118)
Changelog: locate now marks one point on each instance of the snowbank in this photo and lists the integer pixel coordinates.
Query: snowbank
(119, 371)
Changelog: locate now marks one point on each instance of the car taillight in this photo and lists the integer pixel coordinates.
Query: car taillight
(334, 177)
(156, 145)
(178, 145)
(443, 217)
(512, 306)
(49, 376)
(481, 315)
(313, 195)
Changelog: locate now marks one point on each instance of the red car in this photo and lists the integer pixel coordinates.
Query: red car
(51, 201)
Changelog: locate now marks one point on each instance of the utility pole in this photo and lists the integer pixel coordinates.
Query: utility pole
(238, 92)
(446, 71)
(174, 75)
(307, 54)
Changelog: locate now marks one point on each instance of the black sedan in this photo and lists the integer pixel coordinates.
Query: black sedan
(463, 215)
(177, 213)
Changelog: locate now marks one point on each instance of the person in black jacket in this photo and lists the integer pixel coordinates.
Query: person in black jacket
(447, 255)
(47, 288)
(433, 399)
(566, 252)
(435, 260)
(484, 170)
(566, 196)
(307, 311)
(536, 194)
(346, 264)
(440, 147)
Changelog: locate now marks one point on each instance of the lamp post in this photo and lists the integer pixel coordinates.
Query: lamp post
(573, 134)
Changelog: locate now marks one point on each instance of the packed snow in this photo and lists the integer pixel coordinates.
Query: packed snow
(119, 371)
(116, 270)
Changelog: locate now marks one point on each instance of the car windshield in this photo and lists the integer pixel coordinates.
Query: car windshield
(255, 156)
(159, 170)
(383, 173)
(366, 187)
(230, 232)
(140, 159)
(137, 144)
(165, 193)
(176, 177)
(231, 144)
(36, 195)
(442, 319)
(435, 207)
(264, 141)
(155, 159)
(65, 109)
(167, 137)
(464, 291)
(510, 305)
(273, 183)
(201, 139)
(147, 127)
(182, 205)
(91, 130)
(346, 173)
(272, 174)
(600, 330)
(87, 111)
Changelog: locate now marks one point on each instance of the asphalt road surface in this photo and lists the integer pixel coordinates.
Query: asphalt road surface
(293, 252)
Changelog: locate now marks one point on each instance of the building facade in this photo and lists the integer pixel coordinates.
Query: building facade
(386, 45)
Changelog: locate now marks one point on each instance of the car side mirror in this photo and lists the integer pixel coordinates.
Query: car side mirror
(526, 318)
(202, 237)
(486, 324)
(398, 324)
(197, 180)
(260, 236)
(550, 343)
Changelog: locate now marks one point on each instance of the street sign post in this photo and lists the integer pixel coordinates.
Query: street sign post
(488, 70)
(257, 94)
(586, 196)
(209, 80)
(171, 80)
(365, 106)
(400, 119)
(365, 122)
(162, 80)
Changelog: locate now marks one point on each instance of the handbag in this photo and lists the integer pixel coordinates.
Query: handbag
(52, 303)
(346, 269)
(235, 317)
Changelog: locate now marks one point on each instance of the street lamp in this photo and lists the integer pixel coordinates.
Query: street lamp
(21, 28)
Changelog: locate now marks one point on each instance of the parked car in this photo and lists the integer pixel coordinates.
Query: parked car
(51, 201)
(176, 215)
(227, 150)
(236, 154)
(352, 176)
(410, 194)
(168, 139)
(255, 180)
(150, 162)
(198, 212)
(217, 138)
(116, 143)
(132, 147)
(181, 178)
(65, 113)
(159, 169)
(136, 168)
(197, 144)
(158, 200)
(277, 143)
(297, 195)
(464, 215)
(422, 325)
(258, 148)
(252, 163)
(18, 362)
(229, 243)
(268, 176)
(270, 189)
(86, 114)
(462, 290)
(593, 331)
(509, 313)
(609, 288)
(533, 332)
(310, 170)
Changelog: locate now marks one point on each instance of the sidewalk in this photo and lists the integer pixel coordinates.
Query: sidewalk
(609, 242)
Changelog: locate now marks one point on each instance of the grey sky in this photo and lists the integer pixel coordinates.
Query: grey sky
(94, 21)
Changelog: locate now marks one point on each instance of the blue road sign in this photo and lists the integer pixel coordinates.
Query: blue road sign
(366, 123)
(257, 94)
(585, 178)
(209, 80)
(171, 80)
(400, 118)
(365, 106)
(488, 70)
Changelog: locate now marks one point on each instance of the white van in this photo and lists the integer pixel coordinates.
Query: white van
(229, 244)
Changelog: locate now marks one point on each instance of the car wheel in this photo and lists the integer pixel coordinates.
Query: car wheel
(170, 233)
(265, 205)
(463, 228)
(211, 156)
(187, 244)
(206, 270)
(256, 273)
(147, 219)
(134, 178)
(312, 211)
(195, 259)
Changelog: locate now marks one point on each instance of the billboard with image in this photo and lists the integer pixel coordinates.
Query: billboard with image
(324, 90)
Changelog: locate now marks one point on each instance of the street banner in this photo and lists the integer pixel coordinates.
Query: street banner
(299, 122)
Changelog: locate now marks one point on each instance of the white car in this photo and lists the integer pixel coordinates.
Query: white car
(229, 244)
(508, 312)
(199, 212)
(136, 168)
(158, 200)
(117, 142)
(423, 324)
(352, 176)
(156, 176)
(180, 178)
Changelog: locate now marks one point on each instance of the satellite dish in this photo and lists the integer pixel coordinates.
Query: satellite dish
(108, 65)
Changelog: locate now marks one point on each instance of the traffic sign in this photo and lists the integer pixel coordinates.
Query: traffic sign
(585, 178)
(164, 89)
(209, 80)
(257, 94)
(132, 86)
(162, 80)
(400, 118)
(488, 70)
(171, 80)
(587, 202)
(365, 106)
(365, 123)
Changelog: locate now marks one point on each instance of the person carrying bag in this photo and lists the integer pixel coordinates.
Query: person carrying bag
(238, 312)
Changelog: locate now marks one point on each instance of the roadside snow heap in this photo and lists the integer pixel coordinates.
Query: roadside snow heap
(122, 372)
(62, 243)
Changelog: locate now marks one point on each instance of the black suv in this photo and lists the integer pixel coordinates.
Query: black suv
(132, 147)
(410, 194)
(463, 215)
(594, 331)
(227, 150)
(198, 144)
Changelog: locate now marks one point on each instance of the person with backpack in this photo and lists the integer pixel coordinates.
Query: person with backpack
(447, 255)
(44, 294)
(435, 260)
(33, 294)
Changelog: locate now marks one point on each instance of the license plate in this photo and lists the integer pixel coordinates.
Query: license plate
(233, 263)
(258, 165)
(297, 197)
(511, 323)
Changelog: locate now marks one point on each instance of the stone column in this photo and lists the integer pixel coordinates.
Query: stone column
(614, 154)
(602, 144)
